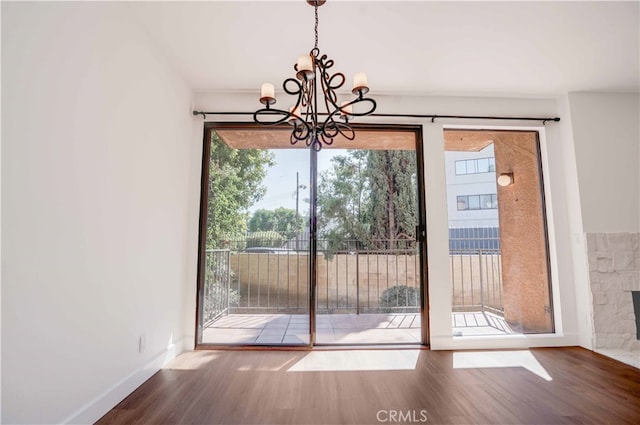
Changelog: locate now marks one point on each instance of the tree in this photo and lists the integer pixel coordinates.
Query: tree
(343, 201)
(394, 203)
(369, 197)
(235, 183)
(281, 220)
(265, 239)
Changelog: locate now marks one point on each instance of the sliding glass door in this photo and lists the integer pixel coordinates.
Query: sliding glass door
(300, 247)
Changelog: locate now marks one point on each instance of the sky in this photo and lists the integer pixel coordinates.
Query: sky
(281, 178)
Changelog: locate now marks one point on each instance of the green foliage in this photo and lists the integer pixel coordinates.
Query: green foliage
(234, 243)
(217, 293)
(281, 220)
(392, 176)
(400, 296)
(218, 301)
(234, 298)
(268, 239)
(343, 201)
(368, 198)
(235, 183)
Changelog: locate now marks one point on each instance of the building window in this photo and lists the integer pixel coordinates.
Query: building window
(476, 166)
(478, 202)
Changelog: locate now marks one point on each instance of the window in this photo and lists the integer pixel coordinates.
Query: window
(476, 166)
(478, 202)
(498, 254)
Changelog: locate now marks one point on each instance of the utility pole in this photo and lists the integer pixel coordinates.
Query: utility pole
(298, 187)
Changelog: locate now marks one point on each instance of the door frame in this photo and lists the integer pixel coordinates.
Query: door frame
(421, 234)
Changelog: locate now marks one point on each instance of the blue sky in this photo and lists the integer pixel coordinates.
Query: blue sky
(281, 178)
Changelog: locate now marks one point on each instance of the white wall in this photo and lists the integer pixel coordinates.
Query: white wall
(100, 181)
(606, 130)
(566, 231)
(606, 142)
(556, 187)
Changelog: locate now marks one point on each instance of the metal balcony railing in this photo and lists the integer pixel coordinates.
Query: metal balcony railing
(476, 278)
(476, 269)
(380, 278)
(217, 295)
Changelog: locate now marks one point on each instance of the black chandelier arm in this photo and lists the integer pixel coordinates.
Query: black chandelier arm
(329, 128)
(266, 112)
(301, 131)
(323, 60)
(332, 128)
(298, 87)
(330, 83)
(329, 89)
(328, 141)
(296, 90)
(361, 100)
(301, 90)
(315, 144)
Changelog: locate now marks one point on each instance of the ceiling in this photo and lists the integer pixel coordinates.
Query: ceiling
(510, 49)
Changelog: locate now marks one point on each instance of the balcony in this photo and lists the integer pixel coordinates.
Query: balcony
(259, 295)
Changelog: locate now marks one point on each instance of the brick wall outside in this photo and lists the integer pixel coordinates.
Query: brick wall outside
(525, 272)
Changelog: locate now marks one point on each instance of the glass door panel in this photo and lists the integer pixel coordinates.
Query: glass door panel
(255, 285)
(368, 259)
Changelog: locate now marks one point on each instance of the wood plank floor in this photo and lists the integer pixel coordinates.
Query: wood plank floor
(537, 386)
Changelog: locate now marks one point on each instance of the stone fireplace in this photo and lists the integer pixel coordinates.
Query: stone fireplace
(614, 271)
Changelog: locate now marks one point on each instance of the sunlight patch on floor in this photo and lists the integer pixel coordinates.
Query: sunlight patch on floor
(192, 362)
(357, 360)
(492, 359)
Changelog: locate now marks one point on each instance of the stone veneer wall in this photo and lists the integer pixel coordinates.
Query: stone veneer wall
(614, 269)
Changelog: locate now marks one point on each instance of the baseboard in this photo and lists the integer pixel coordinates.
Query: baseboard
(630, 357)
(98, 407)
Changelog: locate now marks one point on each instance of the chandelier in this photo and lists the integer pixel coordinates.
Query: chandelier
(311, 126)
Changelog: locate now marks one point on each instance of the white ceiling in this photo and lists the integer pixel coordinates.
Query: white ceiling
(455, 48)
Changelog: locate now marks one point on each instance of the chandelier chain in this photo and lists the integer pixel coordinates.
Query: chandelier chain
(316, 26)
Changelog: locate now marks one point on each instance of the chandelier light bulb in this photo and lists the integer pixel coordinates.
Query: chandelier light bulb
(360, 83)
(305, 63)
(268, 93)
(305, 68)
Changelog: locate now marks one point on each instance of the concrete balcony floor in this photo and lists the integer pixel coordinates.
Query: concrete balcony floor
(292, 329)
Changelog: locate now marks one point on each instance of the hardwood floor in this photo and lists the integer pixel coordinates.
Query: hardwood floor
(537, 386)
